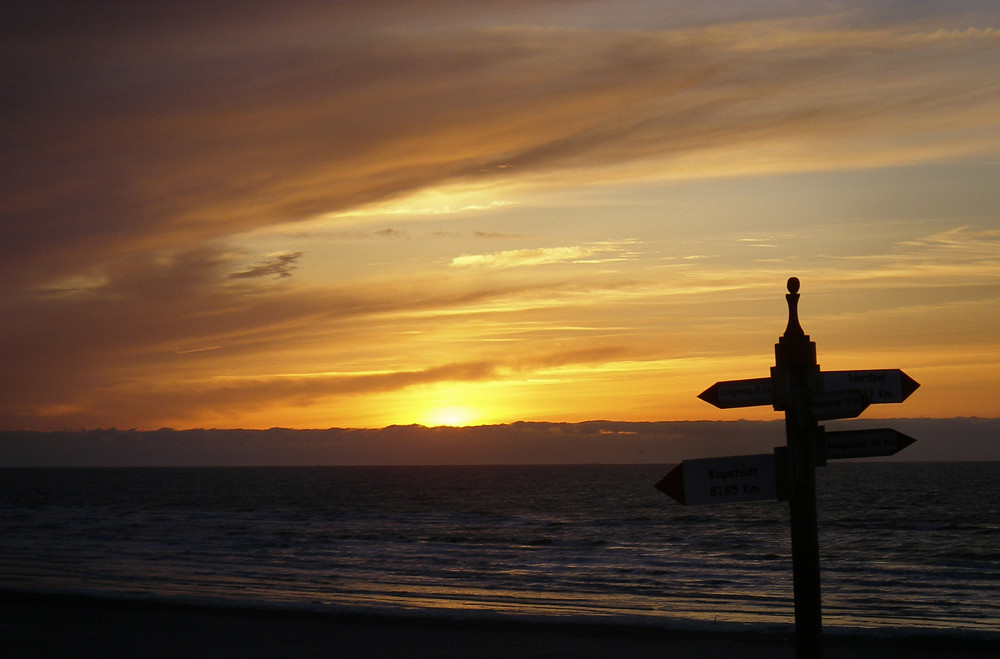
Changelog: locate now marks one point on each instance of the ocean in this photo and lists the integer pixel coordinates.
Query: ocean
(904, 546)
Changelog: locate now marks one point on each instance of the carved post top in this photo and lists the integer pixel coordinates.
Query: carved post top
(794, 347)
(794, 328)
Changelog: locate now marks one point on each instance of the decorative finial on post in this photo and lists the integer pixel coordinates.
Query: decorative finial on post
(794, 347)
(794, 328)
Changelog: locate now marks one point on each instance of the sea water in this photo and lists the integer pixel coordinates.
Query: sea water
(903, 546)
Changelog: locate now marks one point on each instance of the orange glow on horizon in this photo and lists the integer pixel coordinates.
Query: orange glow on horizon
(452, 415)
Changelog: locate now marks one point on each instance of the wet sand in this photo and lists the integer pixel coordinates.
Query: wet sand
(40, 626)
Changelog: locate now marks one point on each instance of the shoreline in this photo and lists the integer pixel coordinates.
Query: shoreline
(53, 625)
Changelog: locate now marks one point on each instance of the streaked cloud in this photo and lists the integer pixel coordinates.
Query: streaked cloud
(964, 240)
(579, 254)
(277, 265)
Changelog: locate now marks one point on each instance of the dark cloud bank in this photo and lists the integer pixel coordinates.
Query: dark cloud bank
(959, 439)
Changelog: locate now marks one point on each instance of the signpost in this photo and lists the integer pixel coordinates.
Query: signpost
(806, 395)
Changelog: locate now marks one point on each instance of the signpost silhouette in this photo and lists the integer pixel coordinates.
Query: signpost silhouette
(806, 395)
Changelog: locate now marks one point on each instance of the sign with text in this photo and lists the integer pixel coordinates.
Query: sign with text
(886, 386)
(882, 386)
(874, 442)
(721, 480)
(739, 393)
(837, 405)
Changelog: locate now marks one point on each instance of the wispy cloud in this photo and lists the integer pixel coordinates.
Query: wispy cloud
(962, 257)
(497, 234)
(964, 240)
(182, 318)
(194, 401)
(580, 254)
(277, 265)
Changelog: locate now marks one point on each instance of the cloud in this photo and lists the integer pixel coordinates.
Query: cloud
(965, 239)
(192, 131)
(521, 257)
(581, 254)
(959, 258)
(390, 233)
(277, 265)
(496, 234)
(160, 328)
(193, 400)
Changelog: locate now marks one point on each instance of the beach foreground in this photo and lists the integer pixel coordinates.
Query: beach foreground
(60, 626)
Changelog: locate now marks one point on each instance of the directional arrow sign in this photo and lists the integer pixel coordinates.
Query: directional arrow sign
(721, 480)
(889, 386)
(739, 393)
(885, 386)
(837, 405)
(864, 443)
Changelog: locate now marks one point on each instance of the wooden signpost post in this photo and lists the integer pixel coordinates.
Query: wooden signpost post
(806, 395)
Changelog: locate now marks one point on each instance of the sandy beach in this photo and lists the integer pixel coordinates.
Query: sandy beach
(61, 626)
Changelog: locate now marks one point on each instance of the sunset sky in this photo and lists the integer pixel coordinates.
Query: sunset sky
(361, 213)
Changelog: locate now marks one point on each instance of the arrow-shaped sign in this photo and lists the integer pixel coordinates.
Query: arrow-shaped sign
(721, 480)
(870, 443)
(888, 386)
(739, 393)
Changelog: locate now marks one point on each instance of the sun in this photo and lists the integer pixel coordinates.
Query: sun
(451, 415)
